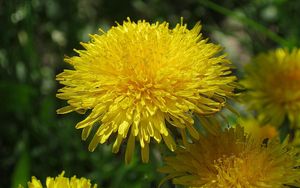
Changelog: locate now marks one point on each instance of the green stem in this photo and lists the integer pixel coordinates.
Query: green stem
(222, 10)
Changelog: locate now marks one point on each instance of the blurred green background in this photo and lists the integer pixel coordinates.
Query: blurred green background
(35, 36)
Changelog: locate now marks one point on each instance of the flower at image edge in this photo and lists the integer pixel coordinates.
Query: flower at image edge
(137, 80)
(61, 182)
(231, 158)
(272, 81)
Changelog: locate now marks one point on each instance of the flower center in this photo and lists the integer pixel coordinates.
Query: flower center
(285, 87)
(239, 171)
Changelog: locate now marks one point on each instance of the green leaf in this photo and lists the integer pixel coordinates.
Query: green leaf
(22, 170)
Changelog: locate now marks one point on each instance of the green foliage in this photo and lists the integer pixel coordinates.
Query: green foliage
(21, 174)
(35, 36)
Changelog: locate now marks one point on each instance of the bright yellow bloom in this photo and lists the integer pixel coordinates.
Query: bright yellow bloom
(61, 182)
(231, 159)
(273, 86)
(258, 131)
(139, 79)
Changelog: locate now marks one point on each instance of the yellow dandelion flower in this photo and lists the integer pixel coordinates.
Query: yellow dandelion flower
(61, 182)
(257, 130)
(231, 159)
(138, 79)
(273, 86)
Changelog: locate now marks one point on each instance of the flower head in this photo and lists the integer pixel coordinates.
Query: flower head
(61, 182)
(139, 79)
(273, 86)
(231, 158)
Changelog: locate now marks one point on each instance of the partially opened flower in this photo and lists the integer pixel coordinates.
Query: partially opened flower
(139, 79)
(231, 158)
(61, 182)
(272, 81)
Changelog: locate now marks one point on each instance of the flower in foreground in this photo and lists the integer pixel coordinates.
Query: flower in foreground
(272, 81)
(139, 79)
(231, 158)
(61, 182)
